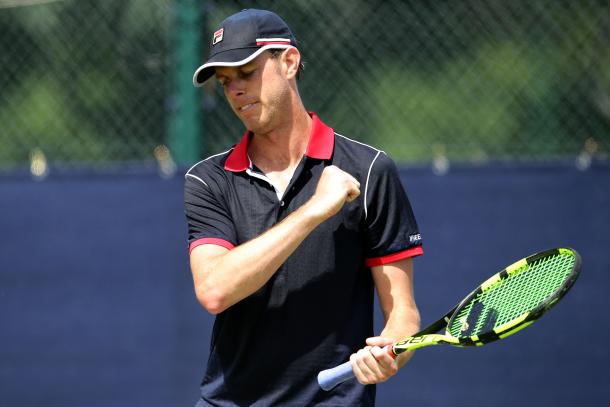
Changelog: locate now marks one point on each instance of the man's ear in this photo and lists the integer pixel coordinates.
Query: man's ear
(291, 58)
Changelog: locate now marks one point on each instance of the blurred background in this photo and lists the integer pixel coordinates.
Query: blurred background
(498, 114)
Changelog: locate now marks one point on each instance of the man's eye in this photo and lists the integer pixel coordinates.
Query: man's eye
(246, 74)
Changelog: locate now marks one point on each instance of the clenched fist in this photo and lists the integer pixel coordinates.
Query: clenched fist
(335, 188)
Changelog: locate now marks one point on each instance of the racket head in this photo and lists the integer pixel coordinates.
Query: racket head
(514, 298)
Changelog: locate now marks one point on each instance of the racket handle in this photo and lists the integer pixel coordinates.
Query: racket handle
(329, 378)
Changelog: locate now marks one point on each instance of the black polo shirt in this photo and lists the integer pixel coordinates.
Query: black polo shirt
(317, 308)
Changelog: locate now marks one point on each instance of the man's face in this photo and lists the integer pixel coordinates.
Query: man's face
(256, 91)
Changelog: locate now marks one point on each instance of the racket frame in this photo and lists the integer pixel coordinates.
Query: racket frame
(426, 337)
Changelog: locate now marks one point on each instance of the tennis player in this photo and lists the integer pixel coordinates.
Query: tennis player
(290, 231)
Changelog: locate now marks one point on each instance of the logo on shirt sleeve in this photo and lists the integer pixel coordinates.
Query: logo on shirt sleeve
(415, 238)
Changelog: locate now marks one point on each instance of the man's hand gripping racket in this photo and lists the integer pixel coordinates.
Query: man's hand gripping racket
(504, 304)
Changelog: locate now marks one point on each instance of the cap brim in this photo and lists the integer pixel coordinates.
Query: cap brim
(234, 57)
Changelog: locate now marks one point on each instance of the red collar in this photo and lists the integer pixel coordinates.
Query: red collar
(320, 146)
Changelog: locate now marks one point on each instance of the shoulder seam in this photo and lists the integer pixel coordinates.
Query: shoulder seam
(358, 142)
(368, 175)
(366, 185)
(197, 178)
(205, 159)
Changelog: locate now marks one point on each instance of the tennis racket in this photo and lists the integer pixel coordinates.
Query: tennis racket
(504, 304)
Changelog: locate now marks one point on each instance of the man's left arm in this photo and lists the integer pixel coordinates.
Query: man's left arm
(394, 283)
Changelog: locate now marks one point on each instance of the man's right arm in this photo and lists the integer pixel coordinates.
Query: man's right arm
(224, 277)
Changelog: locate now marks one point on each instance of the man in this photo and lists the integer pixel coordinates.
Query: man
(289, 232)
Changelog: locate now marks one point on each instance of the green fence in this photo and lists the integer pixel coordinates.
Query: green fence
(103, 82)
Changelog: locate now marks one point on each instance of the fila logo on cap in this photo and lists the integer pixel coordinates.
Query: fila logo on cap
(218, 36)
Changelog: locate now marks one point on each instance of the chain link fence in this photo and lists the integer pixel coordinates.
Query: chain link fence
(82, 81)
(95, 82)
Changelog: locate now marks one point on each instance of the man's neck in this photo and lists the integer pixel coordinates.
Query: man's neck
(283, 147)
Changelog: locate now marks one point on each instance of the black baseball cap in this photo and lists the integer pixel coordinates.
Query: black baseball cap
(242, 37)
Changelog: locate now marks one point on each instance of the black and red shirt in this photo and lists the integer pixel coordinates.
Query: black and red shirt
(317, 308)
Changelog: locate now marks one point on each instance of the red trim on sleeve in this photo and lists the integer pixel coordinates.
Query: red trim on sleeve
(211, 240)
(391, 258)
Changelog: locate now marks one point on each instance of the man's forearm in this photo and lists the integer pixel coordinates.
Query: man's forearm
(394, 283)
(222, 278)
(227, 279)
(400, 325)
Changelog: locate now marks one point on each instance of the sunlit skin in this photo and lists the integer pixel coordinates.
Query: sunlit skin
(263, 95)
(262, 89)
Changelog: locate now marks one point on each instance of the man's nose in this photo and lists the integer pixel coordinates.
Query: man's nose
(236, 88)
